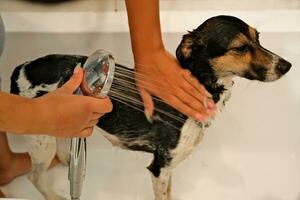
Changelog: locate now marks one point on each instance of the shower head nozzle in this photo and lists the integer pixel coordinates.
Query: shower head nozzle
(98, 74)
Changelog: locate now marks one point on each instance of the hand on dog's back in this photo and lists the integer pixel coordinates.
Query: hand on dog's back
(159, 74)
(63, 114)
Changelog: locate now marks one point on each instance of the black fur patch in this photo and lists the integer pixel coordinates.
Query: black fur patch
(47, 70)
(52, 68)
(259, 71)
(14, 89)
(161, 159)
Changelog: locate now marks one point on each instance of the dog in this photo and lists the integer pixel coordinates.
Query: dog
(218, 50)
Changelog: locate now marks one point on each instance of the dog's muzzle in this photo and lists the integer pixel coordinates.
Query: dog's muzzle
(283, 67)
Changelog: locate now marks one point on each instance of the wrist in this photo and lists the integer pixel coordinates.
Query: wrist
(36, 115)
(29, 113)
(148, 53)
(18, 114)
(25, 120)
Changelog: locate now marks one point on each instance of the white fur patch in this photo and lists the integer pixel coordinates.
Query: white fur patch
(161, 184)
(26, 88)
(113, 139)
(228, 83)
(192, 133)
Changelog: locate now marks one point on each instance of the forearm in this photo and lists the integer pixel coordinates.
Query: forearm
(144, 24)
(15, 114)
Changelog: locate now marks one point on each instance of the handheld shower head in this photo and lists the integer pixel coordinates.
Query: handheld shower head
(98, 77)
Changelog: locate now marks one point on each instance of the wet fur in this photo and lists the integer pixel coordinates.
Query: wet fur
(220, 48)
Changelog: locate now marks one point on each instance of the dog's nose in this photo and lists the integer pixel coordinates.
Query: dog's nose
(283, 66)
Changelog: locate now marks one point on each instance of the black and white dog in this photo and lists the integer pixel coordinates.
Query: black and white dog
(219, 49)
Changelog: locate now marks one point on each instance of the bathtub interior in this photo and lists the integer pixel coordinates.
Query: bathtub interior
(251, 152)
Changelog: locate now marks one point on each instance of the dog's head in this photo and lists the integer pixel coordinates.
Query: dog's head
(226, 45)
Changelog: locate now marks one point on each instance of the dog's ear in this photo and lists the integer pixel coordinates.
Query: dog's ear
(191, 43)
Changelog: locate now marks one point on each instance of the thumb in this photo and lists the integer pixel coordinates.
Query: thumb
(74, 82)
(148, 103)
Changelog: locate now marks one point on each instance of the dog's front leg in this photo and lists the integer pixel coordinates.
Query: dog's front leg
(63, 150)
(162, 184)
(42, 151)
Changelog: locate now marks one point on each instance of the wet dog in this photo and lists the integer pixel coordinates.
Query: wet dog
(218, 50)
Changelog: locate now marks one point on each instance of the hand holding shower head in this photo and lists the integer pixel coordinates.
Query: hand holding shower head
(98, 76)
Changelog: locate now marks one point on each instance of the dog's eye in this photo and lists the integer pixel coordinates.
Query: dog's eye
(241, 49)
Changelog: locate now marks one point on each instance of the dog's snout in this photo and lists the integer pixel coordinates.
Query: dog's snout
(283, 66)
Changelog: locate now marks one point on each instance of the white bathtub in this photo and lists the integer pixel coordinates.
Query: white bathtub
(252, 151)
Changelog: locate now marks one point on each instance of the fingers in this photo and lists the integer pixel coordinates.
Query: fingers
(162, 76)
(185, 109)
(100, 106)
(96, 116)
(181, 100)
(190, 100)
(148, 102)
(195, 83)
(74, 82)
(192, 103)
(86, 132)
(191, 85)
(194, 88)
(93, 122)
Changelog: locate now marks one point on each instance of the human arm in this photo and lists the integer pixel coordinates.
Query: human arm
(59, 113)
(158, 72)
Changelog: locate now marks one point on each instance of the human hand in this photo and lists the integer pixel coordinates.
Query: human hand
(159, 74)
(63, 114)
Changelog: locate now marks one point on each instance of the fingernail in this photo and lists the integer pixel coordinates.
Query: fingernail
(210, 112)
(211, 104)
(77, 68)
(205, 103)
(149, 117)
(208, 94)
(200, 117)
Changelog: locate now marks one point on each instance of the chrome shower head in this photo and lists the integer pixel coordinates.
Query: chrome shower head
(98, 77)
